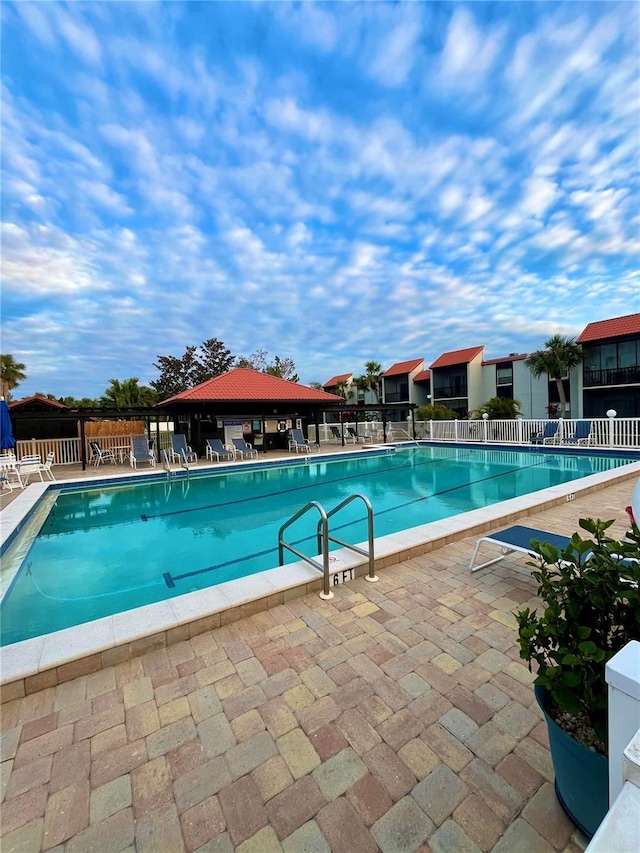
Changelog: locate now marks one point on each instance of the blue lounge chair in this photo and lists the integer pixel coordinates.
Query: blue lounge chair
(181, 449)
(516, 538)
(243, 448)
(548, 435)
(140, 453)
(581, 434)
(298, 442)
(216, 449)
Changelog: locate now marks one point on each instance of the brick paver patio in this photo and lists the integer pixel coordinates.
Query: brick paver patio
(395, 717)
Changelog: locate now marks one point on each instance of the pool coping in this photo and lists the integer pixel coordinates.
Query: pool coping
(51, 659)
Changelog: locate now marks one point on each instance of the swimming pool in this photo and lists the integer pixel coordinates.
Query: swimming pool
(104, 550)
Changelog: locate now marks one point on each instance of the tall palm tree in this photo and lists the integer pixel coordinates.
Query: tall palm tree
(560, 354)
(12, 373)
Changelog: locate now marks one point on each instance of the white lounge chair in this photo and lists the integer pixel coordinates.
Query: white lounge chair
(581, 434)
(181, 450)
(216, 449)
(243, 448)
(46, 466)
(298, 442)
(140, 453)
(516, 538)
(549, 434)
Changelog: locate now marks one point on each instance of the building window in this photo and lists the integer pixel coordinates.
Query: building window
(504, 374)
(396, 389)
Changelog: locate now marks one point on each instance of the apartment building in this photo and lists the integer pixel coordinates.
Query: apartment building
(406, 382)
(462, 380)
(610, 376)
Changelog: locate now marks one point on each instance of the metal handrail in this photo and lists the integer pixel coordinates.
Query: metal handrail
(323, 547)
(324, 539)
(365, 553)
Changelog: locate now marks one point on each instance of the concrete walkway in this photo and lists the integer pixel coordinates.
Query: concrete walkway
(395, 717)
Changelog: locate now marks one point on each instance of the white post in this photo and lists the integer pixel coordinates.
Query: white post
(611, 415)
(622, 673)
(520, 439)
(485, 418)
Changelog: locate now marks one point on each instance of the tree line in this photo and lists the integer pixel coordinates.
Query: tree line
(177, 374)
(212, 358)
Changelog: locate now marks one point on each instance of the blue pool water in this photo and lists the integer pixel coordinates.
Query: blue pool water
(104, 550)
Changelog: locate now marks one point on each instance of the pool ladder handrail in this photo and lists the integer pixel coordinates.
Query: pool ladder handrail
(324, 538)
(166, 463)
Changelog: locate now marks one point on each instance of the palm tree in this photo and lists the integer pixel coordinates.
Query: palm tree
(343, 389)
(371, 380)
(128, 394)
(561, 353)
(11, 374)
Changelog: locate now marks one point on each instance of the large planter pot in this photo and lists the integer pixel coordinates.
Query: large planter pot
(582, 776)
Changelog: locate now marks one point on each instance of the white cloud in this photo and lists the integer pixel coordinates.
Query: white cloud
(395, 54)
(539, 195)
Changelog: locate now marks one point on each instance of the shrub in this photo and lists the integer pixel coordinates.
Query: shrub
(591, 610)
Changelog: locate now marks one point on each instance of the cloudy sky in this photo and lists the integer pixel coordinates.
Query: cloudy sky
(330, 182)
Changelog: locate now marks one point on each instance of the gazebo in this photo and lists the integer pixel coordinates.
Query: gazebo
(245, 403)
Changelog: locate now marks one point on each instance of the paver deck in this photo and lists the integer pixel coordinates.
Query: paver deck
(395, 717)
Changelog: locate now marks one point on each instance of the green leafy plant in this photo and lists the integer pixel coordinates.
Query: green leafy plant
(591, 610)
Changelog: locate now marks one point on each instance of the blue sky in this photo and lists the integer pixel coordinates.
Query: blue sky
(332, 183)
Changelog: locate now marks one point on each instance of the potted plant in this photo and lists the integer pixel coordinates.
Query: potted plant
(591, 597)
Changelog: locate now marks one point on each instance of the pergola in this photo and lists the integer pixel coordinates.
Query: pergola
(261, 406)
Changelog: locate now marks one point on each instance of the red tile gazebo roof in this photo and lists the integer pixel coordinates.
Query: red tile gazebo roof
(245, 385)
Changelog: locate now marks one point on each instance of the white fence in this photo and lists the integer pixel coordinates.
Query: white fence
(67, 450)
(605, 432)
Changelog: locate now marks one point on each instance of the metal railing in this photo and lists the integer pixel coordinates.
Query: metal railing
(323, 539)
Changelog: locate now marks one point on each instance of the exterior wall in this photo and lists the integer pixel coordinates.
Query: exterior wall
(533, 393)
(474, 381)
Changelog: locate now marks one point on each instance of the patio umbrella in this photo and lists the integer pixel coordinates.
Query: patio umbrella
(6, 430)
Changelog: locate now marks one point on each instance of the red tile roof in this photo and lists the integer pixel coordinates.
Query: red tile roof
(403, 367)
(335, 380)
(37, 399)
(244, 385)
(423, 376)
(615, 328)
(459, 356)
(520, 357)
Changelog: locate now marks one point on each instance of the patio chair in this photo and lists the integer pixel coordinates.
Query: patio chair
(181, 449)
(581, 434)
(335, 432)
(28, 465)
(46, 466)
(298, 442)
(353, 435)
(549, 434)
(216, 449)
(140, 453)
(243, 448)
(516, 538)
(99, 455)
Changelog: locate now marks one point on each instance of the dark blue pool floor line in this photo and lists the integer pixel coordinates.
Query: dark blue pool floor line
(171, 579)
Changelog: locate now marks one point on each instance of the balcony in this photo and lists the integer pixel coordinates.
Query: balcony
(614, 376)
(450, 391)
(396, 396)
